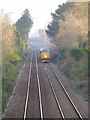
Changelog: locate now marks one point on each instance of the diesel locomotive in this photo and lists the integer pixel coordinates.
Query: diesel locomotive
(45, 55)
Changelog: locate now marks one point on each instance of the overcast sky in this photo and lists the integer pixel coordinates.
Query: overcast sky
(40, 10)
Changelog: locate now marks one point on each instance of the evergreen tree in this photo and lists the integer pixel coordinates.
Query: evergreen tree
(58, 15)
(24, 24)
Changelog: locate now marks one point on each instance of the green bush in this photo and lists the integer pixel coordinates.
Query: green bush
(62, 53)
(4, 100)
(14, 57)
(54, 57)
(76, 53)
(8, 81)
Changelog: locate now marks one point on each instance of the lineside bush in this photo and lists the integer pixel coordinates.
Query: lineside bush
(76, 53)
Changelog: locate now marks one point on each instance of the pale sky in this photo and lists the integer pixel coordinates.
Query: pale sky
(40, 10)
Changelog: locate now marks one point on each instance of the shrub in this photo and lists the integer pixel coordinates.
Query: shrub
(62, 53)
(76, 53)
(9, 75)
(4, 100)
(14, 57)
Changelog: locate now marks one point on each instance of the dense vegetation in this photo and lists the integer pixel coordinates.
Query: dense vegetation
(14, 51)
(68, 33)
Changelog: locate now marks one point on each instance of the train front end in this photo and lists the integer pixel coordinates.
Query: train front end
(45, 55)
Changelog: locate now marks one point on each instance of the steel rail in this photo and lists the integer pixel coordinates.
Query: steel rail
(28, 89)
(54, 93)
(73, 104)
(39, 90)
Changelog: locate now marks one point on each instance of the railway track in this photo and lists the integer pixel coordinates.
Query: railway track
(65, 92)
(33, 99)
(27, 95)
(39, 89)
(54, 93)
(45, 95)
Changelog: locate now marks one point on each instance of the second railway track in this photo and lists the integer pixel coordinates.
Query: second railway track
(57, 96)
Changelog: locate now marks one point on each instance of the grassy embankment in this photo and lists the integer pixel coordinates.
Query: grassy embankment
(10, 74)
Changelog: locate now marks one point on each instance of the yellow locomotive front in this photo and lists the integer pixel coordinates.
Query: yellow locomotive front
(45, 55)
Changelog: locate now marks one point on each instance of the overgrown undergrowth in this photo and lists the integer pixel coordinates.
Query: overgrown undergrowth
(10, 74)
(75, 68)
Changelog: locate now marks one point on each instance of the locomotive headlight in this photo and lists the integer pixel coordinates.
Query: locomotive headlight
(45, 56)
